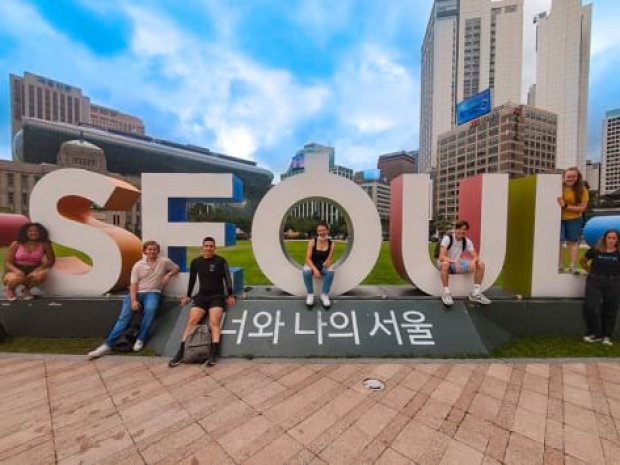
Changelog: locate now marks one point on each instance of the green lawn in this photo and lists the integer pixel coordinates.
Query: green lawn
(241, 255)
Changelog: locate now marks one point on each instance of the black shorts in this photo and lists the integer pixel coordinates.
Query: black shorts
(207, 302)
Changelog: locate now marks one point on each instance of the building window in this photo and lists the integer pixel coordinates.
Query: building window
(39, 103)
(70, 109)
(48, 105)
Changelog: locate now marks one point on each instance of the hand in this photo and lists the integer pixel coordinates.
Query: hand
(135, 305)
(561, 202)
(231, 300)
(327, 264)
(184, 300)
(316, 273)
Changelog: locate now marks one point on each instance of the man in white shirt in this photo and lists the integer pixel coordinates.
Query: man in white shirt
(148, 278)
(458, 255)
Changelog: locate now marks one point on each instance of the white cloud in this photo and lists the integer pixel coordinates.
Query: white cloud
(377, 106)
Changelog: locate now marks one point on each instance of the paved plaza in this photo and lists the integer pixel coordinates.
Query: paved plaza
(136, 410)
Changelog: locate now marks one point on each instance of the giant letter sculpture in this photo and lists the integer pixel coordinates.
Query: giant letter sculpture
(531, 267)
(409, 231)
(164, 214)
(62, 201)
(316, 182)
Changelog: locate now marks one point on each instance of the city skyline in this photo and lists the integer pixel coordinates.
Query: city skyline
(259, 83)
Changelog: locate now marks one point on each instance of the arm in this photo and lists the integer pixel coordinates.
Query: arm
(308, 262)
(330, 258)
(133, 296)
(582, 206)
(190, 286)
(230, 299)
(472, 250)
(173, 269)
(9, 259)
(49, 257)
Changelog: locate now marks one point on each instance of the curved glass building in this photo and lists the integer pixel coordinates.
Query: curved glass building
(39, 141)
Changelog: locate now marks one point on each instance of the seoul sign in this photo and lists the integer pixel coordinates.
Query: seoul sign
(515, 226)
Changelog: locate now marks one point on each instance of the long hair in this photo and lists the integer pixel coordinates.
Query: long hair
(578, 186)
(22, 234)
(601, 246)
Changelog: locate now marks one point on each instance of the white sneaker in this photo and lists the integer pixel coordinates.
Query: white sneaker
(99, 351)
(591, 338)
(607, 342)
(310, 300)
(138, 346)
(479, 299)
(446, 298)
(325, 301)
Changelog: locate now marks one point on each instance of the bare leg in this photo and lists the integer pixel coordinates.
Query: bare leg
(444, 271)
(215, 321)
(195, 315)
(573, 250)
(478, 272)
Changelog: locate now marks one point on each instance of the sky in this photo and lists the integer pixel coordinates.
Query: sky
(259, 79)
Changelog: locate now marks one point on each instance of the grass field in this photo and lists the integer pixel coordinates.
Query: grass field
(241, 255)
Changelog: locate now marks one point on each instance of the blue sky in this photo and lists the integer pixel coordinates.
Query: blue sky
(258, 79)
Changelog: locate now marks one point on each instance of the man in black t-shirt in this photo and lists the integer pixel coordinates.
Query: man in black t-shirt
(214, 294)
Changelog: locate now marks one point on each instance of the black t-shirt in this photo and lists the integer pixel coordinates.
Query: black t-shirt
(318, 257)
(606, 263)
(213, 274)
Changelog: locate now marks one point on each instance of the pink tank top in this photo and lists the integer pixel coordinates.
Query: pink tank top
(29, 258)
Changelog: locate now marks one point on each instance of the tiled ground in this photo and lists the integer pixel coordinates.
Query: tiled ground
(67, 410)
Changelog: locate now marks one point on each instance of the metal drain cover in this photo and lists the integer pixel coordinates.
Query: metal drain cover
(373, 384)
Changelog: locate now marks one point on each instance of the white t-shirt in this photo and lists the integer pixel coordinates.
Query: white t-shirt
(455, 251)
(148, 276)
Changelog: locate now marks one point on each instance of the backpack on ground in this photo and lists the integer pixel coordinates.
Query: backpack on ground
(126, 340)
(197, 345)
(451, 240)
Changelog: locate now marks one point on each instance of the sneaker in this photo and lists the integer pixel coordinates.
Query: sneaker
(175, 361)
(138, 346)
(573, 270)
(10, 294)
(26, 294)
(479, 299)
(310, 300)
(212, 360)
(446, 298)
(325, 301)
(607, 342)
(99, 351)
(591, 338)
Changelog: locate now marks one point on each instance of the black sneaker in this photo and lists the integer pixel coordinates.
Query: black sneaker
(212, 361)
(176, 360)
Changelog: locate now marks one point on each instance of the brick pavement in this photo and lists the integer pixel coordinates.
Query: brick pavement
(127, 410)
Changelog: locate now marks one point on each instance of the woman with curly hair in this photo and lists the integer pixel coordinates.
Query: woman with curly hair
(28, 260)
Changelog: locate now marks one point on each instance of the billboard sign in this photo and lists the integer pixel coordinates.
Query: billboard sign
(473, 107)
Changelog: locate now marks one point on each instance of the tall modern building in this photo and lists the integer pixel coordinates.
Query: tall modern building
(562, 72)
(469, 46)
(394, 164)
(610, 157)
(514, 139)
(39, 97)
(317, 209)
(375, 185)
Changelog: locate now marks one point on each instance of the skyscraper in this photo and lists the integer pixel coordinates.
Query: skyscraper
(610, 157)
(35, 96)
(562, 71)
(469, 46)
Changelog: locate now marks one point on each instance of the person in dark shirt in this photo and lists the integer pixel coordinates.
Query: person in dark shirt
(602, 288)
(215, 293)
(318, 263)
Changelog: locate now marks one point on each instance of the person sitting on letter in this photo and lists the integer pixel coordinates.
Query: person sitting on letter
(458, 255)
(318, 263)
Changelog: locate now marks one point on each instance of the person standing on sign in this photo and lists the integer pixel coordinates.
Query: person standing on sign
(573, 202)
(457, 255)
(602, 288)
(148, 277)
(318, 263)
(214, 295)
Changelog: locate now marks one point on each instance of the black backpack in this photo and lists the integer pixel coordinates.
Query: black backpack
(197, 345)
(126, 340)
(451, 240)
